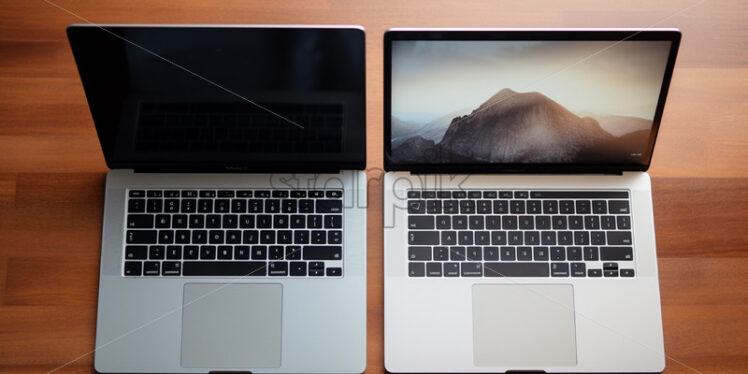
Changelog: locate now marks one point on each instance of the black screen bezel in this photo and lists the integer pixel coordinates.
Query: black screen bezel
(673, 36)
(355, 161)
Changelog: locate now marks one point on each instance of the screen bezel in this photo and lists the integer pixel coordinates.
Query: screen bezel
(354, 160)
(671, 35)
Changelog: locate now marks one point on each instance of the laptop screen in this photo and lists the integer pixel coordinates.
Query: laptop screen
(225, 98)
(527, 98)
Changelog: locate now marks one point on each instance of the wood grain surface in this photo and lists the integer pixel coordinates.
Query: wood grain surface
(52, 172)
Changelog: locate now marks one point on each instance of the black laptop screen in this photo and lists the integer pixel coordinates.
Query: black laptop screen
(524, 101)
(225, 98)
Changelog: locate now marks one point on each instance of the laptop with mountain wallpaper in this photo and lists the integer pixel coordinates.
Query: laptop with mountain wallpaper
(519, 232)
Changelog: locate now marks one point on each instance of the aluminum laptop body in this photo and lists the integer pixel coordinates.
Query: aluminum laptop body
(519, 232)
(234, 219)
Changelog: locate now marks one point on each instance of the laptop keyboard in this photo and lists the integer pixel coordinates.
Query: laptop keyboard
(490, 233)
(217, 232)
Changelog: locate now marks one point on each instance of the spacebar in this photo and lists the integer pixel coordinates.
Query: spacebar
(515, 269)
(225, 268)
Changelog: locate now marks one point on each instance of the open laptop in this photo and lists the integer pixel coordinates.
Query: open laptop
(519, 233)
(234, 218)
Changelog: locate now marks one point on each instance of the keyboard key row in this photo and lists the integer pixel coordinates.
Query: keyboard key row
(234, 206)
(518, 207)
(503, 269)
(472, 194)
(235, 193)
(513, 222)
(221, 252)
(524, 253)
(230, 268)
(232, 221)
(234, 237)
(519, 238)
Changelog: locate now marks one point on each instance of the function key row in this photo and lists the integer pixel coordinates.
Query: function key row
(468, 194)
(236, 193)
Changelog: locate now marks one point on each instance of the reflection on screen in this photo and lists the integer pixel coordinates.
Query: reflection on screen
(524, 101)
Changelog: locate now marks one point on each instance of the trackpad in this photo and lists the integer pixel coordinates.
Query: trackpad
(524, 326)
(231, 325)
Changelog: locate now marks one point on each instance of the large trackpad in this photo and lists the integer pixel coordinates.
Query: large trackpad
(231, 325)
(524, 326)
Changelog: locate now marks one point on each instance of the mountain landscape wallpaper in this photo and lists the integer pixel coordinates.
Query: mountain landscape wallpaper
(524, 102)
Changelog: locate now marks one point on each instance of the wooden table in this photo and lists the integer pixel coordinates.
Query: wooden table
(52, 172)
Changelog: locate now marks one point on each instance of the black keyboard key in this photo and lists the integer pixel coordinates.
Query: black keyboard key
(515, 237)
(578, 269)
(566, 207)
(574, 253)
(443, 194)
(505, 194)
(599, 207)
(419, 222)
(476, 222)
(590, 254)
(540, 253)
(139, 221)
(272, 206)
(550, 207)
(264, 221)
(521, 194)
(618, 207)
(280, 221)
(500, 207)
(450, 207)
(532, 238)
(597, 237)
(216, 237)
(459, 222)
(492, 222)
(137, 193)
(457, 253)
(610, 266)
(610, 273)
(443, 222)
(174, 252)
(564, 238)
(576, 222)
(548, 237)
(581, 238)
(449, 237)
(293, 252)
(558, 254)
(141, 236)
(154, 205)
(559, 222)
(464, 238)
(524, 253)
(335, 237)
(213, 221)
(279, 194)
(467, 207)
(515, 269)
(152, 268)
(471, 269)
(133, 268)
(490, 254)
(517, 206)
(509, 222)
(199, 236)
(238, 206)
(419, 253)
(286, 237)
(288, 206)
(225, 193)
(526, 222)
(433, 269)
(592, 223)
(474, 195)
(508, 254)
(619, 237)
(498, 238)
(171, 206)
(297, 221)
(267, 237)
(329, 206)
(136, 205)
(182, 237)
(334, 193)
(241, 252)
(278, 268)
(543, 222)
(459, 194)
(316, 193)
(433, 206)
(414, 194)
(451, 269)
(301, 237)
(428, 194)
(482, 238)
(318, 237)
(594, 273)
(224, 252)
(179, 221)
(534, 207)
(259, 252)
(608, 222)
(191, 252)
(483, 207)
(627, 273)
(189, 193)
(171, 268)
(297, 269)
(244, 193)
(423, 237)
(208, 252)
(207, 193)
(197, 221)
(489, 194)
(266, 193)
(474, 253)
(246, 221)
(441, 253)
(136, 252)
(334, 272)
(298, 193)
(616, 253)
(416, 269)
(560, 269)
(624, 222)
(188, 206)
(255, 206)
(583, 207)
(225, 268)
(323, 252)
